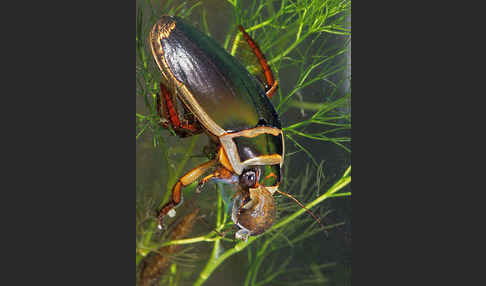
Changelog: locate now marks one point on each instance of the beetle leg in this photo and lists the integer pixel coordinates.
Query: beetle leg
(271, 83)
(185, 180)
(272, 89)
(166, 109)
(221, 174)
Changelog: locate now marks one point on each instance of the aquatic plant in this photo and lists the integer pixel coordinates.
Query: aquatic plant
(306, 42)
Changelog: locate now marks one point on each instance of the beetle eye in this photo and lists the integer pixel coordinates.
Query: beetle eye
(248, 179)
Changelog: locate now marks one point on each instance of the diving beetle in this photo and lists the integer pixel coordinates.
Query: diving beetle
(223, 100)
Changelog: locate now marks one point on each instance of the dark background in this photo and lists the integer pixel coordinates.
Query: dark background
(68, 128)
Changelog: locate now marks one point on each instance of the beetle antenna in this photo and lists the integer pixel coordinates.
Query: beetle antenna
(306, 209)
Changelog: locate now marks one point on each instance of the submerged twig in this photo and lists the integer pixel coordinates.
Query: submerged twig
(156, 263)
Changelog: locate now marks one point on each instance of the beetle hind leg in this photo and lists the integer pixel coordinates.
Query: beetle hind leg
(266, 73)
(166, 108)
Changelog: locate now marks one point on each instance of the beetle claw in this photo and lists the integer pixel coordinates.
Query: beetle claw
(242, 234)
(160, 222)
(160, 226)
(199, 187)
(171, 213)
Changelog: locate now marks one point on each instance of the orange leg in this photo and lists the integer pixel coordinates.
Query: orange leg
(272, 89)
(221, 174)
(271, 82)
(185, 180)
(167, 110)
(271, 175)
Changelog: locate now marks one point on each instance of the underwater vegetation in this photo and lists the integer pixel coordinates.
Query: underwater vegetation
(307, 45)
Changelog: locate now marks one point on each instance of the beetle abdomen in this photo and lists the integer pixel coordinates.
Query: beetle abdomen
(225, 91)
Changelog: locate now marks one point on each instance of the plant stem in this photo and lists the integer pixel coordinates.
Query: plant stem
(307, 105)
(212, 264)
(191, 240)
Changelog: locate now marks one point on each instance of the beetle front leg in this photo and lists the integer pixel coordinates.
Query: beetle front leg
(221, 174)
(184, 181)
